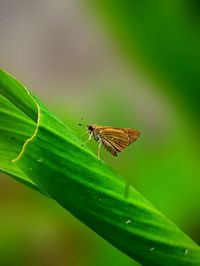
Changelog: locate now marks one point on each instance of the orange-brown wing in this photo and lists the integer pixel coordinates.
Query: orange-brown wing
(133, 134)
(109, 147)
(119, 138)
(116, 137)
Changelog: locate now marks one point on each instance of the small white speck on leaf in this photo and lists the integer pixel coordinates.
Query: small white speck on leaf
(40, 160)
(128, 221)
(152, 249)
(186, 252)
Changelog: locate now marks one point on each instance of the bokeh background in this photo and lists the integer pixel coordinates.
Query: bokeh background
(119, 63)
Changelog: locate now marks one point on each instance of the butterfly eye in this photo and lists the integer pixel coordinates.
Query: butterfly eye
(90, 128)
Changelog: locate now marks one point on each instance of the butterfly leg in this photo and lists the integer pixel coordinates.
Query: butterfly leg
(84, 133)
(87, 140)
(99, 146)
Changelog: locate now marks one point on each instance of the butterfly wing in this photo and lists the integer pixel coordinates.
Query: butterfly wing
(132, 134)
(118, 138)
(109, 147)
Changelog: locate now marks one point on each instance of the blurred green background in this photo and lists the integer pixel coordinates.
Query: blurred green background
(119, 63)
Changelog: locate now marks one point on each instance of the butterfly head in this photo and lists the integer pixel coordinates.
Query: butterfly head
(90, 128)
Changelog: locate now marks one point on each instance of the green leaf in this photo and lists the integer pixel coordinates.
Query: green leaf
(39, 150)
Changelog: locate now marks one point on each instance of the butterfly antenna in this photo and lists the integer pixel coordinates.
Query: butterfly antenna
(81, 124)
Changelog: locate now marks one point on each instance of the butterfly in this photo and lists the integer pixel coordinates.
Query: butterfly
(114, 140)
